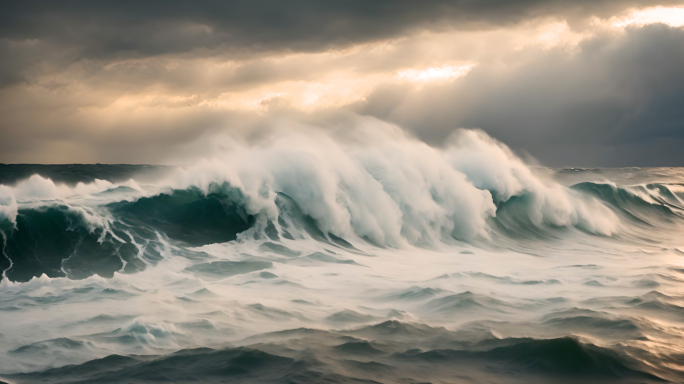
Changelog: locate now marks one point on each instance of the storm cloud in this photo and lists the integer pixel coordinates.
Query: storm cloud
(162, 26)
(146, 81)
(618, 102)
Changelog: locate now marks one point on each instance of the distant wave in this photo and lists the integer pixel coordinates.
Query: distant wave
(640, 202)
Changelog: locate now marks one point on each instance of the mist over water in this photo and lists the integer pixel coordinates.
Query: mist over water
(306, 259)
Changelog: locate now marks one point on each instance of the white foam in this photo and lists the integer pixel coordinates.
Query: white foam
(390, 188)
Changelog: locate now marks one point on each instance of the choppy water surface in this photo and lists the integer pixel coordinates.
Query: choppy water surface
(304, 261)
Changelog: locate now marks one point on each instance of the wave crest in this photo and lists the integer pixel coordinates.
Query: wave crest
(389, 191)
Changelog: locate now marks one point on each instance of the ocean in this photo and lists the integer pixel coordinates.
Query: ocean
(302, 260)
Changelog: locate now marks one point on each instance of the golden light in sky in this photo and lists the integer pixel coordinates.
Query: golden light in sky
(672, 16)
(446, 72)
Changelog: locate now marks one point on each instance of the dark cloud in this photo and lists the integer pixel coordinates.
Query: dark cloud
(152, 27)
(70, 67)
(617, 102)
(75, 30)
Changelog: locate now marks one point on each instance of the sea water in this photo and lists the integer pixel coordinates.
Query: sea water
(304, 260)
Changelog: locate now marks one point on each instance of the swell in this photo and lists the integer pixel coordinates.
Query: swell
(645, 204)
(388, 352)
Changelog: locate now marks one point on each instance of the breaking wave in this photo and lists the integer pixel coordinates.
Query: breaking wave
(394, 193)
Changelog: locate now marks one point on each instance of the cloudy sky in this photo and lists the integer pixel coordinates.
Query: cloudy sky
(569, 83)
